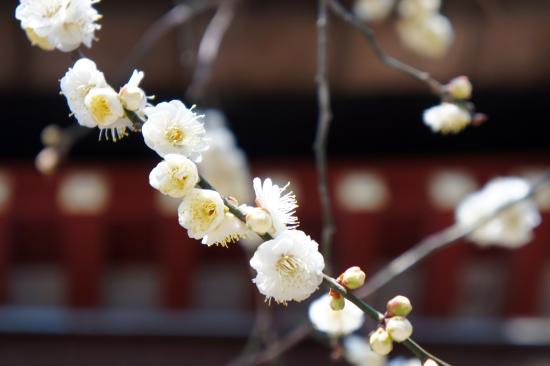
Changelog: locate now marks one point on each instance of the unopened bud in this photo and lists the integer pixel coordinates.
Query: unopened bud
(399, 328)
(399, 305)
(380, 342)
(337, 303)
(353, 278)
(51, 135)
(430, 362)
(460, 87)
(132, 97)
(259, 220)
(47, 160)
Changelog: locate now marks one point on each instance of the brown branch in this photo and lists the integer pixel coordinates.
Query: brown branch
(323, 128)
(176, 16)
(358, 24)
(209, 48)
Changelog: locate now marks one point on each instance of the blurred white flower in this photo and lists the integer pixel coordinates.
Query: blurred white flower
(173, 128)
(358, 352)
(230, 230)
(133, 98)
(200, 212)
(511, 228)
(429, 36)
(61, 24)
(76, 84)
(418, 8)
(447, 118)
(373, 10)
(401, 361)
(335, 323)
(175, 176)
(224, 164)
(289, 267)
(280, 206)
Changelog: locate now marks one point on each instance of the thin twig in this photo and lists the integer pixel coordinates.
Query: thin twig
(176, 16)
(323, 128)
(209, 48)
(414, 347)
(437, 241)
(357, 23)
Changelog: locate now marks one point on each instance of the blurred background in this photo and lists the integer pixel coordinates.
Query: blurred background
(119, 281)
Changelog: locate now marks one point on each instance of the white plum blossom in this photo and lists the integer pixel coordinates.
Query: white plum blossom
(373, 10)
(201, 211)
(447, 118)
(104, 106)
(230, 230)
(175, 176)
(92, 101)
(289, 267)
(429, 36)
(418, 8)
(133, 98)
(511, 228)
(171, 127)
(76, 84)
(61, 24)
(335, 323)
(358, 352)
(280, 206)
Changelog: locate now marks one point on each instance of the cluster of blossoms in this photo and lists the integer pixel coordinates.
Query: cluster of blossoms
(59, 24)
(289, 265)
(455, 112)
(95, 103)
(511, 228)
(394, 326)
(421, 27)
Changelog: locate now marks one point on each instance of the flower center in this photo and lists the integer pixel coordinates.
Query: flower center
(50, 11)
(175, 136)
(178, 180)
(288, 265)
(100, 109)
(204, 212)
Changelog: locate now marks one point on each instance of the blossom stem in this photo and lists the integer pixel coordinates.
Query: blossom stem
(323, 128)
(374, 314)
(355, 22)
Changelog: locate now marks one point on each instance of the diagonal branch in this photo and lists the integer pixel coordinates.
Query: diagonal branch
(358, 24)
(439, 240)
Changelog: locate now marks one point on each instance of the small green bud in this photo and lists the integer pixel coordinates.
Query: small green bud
(337, 303)
(399, 305)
